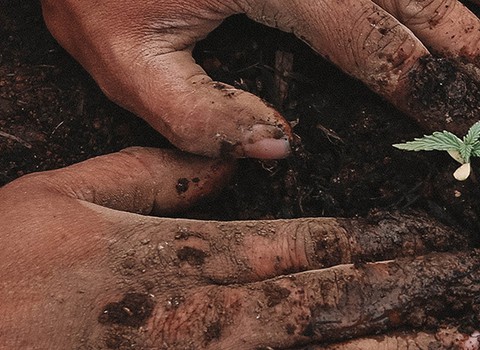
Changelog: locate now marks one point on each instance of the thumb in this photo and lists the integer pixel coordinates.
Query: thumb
(140, 55)
(139, 180)
(205, 117)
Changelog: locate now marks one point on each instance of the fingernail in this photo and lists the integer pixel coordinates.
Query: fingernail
(266, 142)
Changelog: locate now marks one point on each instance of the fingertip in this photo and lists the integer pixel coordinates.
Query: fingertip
(205, 117)
(267, 141)
(268, 149)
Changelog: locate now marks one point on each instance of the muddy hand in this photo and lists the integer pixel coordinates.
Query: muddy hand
(140, 55)
(84, 267)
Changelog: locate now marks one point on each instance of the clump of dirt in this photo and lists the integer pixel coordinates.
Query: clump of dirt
(132, 311)
(275, 294)
(213, 331)
(448, 96)
(193, 256)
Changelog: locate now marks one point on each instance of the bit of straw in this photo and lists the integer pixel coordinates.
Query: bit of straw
(16, 139)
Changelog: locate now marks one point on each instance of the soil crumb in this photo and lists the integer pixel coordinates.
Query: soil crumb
(214, 331)
(182, 185)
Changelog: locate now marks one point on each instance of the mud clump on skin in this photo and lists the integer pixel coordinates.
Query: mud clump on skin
(132, 311)
(182, 185)
(213, 331)
(444, 96)
(275, 294)
(193, 256)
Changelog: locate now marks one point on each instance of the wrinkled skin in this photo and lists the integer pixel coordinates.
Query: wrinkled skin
(63, 254)
(83, 265)
(140, 55)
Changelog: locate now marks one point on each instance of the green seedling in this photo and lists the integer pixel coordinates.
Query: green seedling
(460, 150)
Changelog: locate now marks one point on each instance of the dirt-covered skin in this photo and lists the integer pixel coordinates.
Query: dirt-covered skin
(443, 339)
(88, 268)
(443, 96)
(54, 115)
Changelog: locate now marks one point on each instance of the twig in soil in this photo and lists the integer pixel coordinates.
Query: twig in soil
(329, 133)
(283, 68)
(59, 125)
(16, 139)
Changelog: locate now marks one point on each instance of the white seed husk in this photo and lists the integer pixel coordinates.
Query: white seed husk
(462, 172)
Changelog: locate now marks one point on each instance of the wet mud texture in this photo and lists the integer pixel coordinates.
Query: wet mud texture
(432, 289)
(133, 311)
(412, 292)
(444, 97)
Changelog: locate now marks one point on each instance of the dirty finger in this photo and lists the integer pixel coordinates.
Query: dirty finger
(347, 301)
(138, 180)
(242, 252)
(327, 305)
(446, 27)
(370, 44)
(443, 338)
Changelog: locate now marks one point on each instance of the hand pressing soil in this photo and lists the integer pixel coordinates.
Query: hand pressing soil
(84, 265)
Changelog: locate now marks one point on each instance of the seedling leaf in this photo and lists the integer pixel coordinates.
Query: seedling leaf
(476, 152)
(460, 150)
(438, 141)
(473, 134)
(466, 151)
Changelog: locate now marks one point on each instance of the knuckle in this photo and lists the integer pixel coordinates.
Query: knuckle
(423, 12)
(329, 243)
(385, 49)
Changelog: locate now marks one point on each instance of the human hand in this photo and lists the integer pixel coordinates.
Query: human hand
(140, 55)
(83, 266)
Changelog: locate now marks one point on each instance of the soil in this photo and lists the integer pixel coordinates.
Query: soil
(52, 114)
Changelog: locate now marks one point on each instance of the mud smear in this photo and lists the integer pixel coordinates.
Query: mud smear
(121, 340)
(193, 256)
(275, 294)
(132, 311)
(443, 96)
(214, 331)
(182, 185)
